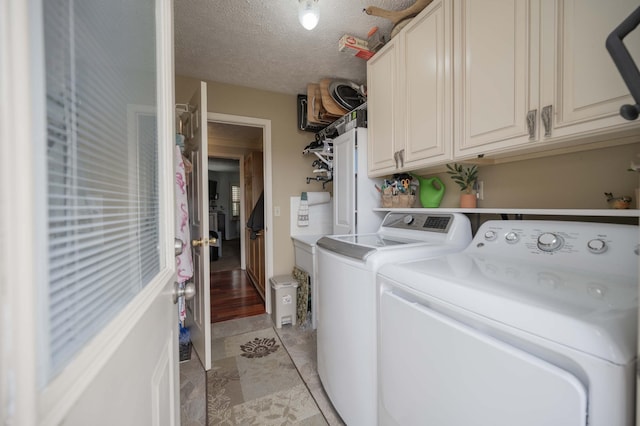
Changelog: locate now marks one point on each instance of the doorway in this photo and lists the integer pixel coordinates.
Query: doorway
(225, 198)
(233, 140)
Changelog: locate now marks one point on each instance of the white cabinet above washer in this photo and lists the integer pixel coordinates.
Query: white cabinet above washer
(530, 74)
(410, 95)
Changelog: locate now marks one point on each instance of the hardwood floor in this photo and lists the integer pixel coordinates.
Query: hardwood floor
(230, 258)
(233, 296)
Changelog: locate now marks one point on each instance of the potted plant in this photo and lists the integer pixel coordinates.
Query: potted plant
(466, 178)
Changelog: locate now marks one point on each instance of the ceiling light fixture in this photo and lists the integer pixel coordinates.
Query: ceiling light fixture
(308, 13)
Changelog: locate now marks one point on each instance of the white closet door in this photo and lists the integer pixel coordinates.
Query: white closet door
(436, 371)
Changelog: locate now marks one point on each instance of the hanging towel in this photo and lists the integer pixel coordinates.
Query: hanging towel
(303, 210)
(184, 262)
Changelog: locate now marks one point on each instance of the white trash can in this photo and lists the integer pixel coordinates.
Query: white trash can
(283, 300)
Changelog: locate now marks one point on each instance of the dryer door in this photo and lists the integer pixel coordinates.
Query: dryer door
(436, 371)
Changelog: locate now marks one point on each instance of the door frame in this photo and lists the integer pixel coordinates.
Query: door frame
(265, 124)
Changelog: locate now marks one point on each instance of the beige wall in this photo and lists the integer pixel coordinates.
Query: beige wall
(289, 166)
(571, 181)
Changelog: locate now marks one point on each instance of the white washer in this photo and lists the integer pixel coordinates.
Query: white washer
(346, 321)
(535, 323)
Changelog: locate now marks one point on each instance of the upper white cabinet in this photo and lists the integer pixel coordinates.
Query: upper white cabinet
(495, 80)
(531, 73)
(580, 83)
(410, 95)
(382, 104)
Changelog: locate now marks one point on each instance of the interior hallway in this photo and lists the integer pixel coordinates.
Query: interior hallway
(232, 294)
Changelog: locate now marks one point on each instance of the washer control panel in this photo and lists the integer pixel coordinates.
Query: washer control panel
(419, 222)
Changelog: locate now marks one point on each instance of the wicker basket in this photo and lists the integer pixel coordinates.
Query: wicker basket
(398, 201)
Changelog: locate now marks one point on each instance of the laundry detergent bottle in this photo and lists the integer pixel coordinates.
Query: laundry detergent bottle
(431, 191)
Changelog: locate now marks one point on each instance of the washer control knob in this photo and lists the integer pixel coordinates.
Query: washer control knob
(549, 241)
(512, 237)
(408, 219)
(490, 235)
(597, 246)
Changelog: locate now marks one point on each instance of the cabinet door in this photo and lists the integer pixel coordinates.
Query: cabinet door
(580, 81)
(495, 86)
(427, 87)
(344, 184)
(382, 105)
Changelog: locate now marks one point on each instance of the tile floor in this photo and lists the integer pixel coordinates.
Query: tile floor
(300, 344)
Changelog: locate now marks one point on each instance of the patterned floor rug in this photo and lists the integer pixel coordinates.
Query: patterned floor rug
(254, 382)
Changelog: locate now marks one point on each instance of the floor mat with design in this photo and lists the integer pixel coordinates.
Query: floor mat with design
(254, 382)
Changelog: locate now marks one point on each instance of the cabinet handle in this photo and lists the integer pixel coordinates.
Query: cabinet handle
(545, 115)
(402, 158)
(531, 123)
(395, 157)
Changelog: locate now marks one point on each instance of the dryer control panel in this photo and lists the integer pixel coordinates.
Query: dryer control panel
(571, 243)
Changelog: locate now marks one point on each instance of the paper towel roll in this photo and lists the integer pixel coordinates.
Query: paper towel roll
(314, 198)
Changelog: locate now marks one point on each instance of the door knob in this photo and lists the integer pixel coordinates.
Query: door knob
(188, 291)
(203, 242)
(177, 246)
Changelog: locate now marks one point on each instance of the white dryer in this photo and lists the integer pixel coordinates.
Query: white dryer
(346, 320)
(535, 323)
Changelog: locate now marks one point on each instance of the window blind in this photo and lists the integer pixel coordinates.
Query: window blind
(102, 166)
(235, 200)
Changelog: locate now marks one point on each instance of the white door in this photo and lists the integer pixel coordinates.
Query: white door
(92, 183)
(199, 310)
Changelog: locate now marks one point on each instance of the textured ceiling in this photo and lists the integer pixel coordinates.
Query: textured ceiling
(261, 44)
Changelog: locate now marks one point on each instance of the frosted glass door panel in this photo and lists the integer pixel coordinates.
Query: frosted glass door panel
(102, 166)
